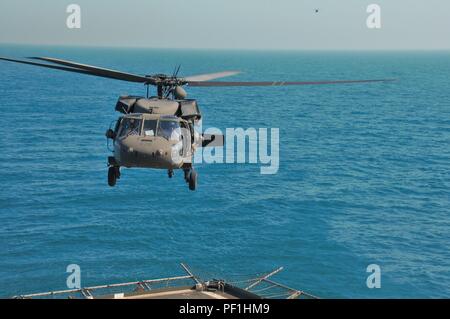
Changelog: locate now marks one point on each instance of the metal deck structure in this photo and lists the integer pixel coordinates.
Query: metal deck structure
(189, 286)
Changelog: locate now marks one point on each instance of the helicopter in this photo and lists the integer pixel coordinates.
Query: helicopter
(159, 132)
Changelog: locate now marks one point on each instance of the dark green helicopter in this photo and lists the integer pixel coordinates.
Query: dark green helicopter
(159, 131)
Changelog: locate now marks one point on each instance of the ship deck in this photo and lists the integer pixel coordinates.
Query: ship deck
(190, 286)
(178, 293)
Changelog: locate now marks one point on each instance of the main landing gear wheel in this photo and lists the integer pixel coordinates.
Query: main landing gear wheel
(113, 175)
(192, 180)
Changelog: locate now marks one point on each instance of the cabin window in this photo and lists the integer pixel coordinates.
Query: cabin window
(150, 127)
(130, 126)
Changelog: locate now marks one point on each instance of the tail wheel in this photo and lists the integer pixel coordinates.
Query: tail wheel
(193, 180)
(112, 176)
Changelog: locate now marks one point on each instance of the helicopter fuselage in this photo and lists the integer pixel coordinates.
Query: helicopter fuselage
(154, 133)
(152, 141)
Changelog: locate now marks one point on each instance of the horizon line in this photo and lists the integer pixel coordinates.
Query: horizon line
(228, 49)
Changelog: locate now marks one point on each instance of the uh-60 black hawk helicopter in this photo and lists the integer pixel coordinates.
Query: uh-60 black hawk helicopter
(159, 131)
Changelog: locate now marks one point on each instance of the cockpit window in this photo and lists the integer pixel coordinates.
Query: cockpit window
(170, 130)
(130, 126)
(150, 127)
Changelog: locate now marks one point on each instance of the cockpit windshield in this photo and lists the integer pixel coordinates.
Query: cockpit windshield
(170, 130)
(130, 126)
(150, 127)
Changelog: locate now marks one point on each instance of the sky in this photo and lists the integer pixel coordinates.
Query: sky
(230, 24)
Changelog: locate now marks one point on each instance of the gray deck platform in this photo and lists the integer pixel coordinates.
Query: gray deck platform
(190, 286)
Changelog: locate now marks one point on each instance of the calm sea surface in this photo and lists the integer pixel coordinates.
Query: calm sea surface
(364, 175)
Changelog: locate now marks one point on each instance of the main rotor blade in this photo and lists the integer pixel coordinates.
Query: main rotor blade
(46, 65)
(210, 76)
(94, 70)
(62, 68)
(219, 84)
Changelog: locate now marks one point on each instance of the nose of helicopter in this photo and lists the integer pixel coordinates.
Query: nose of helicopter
(162, 156)
(133, 152)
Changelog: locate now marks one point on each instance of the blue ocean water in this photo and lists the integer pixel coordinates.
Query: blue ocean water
(363, 179)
